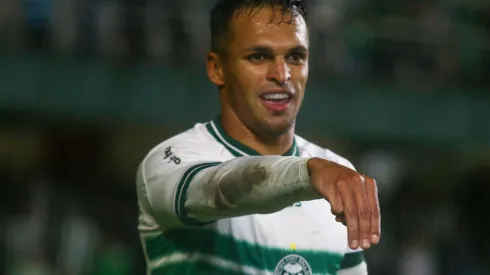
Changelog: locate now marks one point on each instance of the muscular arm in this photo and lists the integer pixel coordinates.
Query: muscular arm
(249, 185)
(180, 183)
(197, 192)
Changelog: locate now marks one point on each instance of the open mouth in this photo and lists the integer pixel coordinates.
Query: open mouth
(276, 101)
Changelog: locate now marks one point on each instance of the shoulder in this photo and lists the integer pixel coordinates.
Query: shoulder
(310, 149)
(192, 145)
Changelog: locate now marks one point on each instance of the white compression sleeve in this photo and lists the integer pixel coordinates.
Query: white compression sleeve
(248, 185)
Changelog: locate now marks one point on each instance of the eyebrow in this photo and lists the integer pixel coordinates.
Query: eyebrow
(266, 49)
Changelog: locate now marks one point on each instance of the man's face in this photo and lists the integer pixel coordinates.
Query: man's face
(266, 69)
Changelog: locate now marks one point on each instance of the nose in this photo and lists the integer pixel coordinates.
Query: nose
(279, 71)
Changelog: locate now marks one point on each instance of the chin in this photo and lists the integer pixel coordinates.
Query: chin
(278, 125)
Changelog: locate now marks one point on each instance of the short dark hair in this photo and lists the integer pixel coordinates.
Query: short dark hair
(224, 10)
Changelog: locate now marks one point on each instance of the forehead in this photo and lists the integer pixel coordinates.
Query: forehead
(269, 27)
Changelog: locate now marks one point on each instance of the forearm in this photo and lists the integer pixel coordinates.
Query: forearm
(248, 185)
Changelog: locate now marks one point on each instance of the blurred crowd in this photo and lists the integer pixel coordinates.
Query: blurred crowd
(429, 42)
(65, 211)
(67, 188)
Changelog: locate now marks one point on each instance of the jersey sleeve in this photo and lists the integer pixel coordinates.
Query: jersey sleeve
(180, 183)
(162, 182)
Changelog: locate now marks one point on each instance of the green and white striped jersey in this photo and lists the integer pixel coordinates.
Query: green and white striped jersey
(302, 238)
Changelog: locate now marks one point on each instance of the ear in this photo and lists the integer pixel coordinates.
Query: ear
(215, 69)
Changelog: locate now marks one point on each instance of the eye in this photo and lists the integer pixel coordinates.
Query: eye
(257, 57)
(296, 58)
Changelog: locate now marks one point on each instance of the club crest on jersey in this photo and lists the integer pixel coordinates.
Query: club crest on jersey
(293, 265)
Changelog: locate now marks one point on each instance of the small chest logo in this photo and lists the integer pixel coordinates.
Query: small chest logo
(293, 265)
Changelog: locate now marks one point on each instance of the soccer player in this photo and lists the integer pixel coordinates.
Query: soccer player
(242, 194)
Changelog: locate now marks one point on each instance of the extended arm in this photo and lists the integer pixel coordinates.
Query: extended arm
(199, 192)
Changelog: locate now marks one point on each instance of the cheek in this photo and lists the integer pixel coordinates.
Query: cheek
(301, 78)
(240, 87)
(249, 79)
(303, 72)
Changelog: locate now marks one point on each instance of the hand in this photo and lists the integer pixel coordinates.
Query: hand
(353, 199)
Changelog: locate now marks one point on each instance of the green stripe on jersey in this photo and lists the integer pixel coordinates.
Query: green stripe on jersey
(208, 242)
(236, 148)
(352, 259)
(197, 264)
(181, 194)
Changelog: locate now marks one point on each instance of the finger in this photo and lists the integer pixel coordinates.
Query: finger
(337, 205)
(358, 188)
(372, 196)
(350, 213)
(341, 219)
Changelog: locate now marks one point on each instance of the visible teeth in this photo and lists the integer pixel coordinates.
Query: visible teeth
(276, 96)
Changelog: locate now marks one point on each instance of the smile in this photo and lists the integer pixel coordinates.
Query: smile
(276, 100)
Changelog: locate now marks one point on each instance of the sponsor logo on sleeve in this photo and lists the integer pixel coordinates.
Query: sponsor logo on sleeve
(170, 156)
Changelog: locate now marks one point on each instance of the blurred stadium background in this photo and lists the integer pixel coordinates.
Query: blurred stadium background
(402, 88)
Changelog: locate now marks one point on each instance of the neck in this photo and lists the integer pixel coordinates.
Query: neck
(236, 129)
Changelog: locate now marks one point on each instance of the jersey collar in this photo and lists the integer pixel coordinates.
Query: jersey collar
(235, 147)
